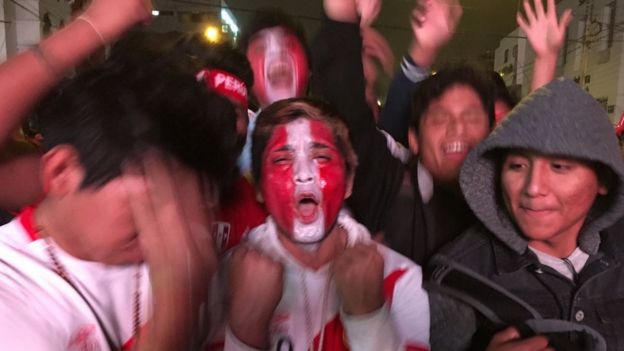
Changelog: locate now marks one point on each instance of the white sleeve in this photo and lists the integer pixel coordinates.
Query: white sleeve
(233, 344)
(373, 331)
(22, 329)
(410, 309)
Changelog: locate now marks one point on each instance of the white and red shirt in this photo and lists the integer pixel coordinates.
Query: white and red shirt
(403, 322)
(41, 311)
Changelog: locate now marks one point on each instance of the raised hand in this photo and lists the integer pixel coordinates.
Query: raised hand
(545, 33)
(433, 24)
(171, 219)
(256, 284)
(358, 273)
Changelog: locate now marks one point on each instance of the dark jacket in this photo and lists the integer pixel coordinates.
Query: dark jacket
(559, 119)
(385, 192)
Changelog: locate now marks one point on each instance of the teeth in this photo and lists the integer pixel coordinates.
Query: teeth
(455, 147)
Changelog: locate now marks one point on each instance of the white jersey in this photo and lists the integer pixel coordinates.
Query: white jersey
(309, 317)
(41, 311)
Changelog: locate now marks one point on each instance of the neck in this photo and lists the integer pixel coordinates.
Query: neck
(315, 256)
(46, 226)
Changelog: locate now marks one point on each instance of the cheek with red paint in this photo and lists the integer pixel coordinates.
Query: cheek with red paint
(301, 67)
(332, 174)
(276, 185)
(256, 56)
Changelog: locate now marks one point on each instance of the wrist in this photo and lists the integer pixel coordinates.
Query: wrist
(423, 56)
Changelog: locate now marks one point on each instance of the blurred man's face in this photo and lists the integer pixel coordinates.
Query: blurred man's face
(450, 127)
(279, 64)
(304, 180)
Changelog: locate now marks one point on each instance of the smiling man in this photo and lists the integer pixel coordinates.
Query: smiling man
(311, 277)
(547, 189)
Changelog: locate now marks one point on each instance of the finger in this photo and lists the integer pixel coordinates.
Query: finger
(142, 211)
(539, 8)
(163, 195)
(504, 336)
(522, 23)
(196, 214)
(565, 20)
(528, 11)
(551, 10)
(537, 343)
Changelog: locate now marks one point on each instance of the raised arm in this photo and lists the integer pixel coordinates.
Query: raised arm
(546, 35)
(433, 25)
(38, 70)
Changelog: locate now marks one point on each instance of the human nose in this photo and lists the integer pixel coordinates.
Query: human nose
(304, 171)
(456, 126)
(536, 182)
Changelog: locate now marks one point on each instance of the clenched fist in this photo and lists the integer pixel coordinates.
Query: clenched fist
(359, 279)
(256, 284)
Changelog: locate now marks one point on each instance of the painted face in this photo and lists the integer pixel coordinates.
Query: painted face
(279, 64)
(548, 197)
(304, 181)
(450, 127)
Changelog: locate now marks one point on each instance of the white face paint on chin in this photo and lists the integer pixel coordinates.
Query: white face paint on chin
(307, 185)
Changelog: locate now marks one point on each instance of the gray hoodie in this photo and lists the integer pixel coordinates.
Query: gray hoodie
(559, 119)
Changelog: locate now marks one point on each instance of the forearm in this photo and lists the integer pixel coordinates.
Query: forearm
(544, 70)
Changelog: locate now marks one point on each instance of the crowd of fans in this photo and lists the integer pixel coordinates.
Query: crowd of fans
(182, 195)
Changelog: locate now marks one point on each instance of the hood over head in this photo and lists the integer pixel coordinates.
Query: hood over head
(559, 119)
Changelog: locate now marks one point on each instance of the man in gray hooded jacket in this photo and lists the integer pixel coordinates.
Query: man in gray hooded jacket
(545, 259)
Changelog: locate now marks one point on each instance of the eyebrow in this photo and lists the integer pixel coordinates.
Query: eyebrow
(320, 146)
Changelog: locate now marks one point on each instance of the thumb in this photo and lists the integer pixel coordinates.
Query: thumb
(506, 335)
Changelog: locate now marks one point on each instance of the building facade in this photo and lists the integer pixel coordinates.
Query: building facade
(593, 54)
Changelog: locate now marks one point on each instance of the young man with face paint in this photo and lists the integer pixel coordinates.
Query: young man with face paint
(117, 254)
(310, 277)
(547, 189)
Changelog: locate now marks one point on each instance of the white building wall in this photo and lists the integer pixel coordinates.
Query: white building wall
(3, 23)
(588, 56)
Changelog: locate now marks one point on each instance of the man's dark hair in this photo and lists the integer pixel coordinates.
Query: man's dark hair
(501, 92)
(113, 113)
(270, 17)
(221, 56)
(288, 110)
(437, 84)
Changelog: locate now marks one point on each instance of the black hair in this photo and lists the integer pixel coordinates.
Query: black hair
(436, 85)
(288, 110)
(221, 56)
(112, 113)
(501, 92)
(270, 17)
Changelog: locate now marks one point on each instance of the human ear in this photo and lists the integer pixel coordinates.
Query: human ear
(412, 141)
(349, 185)
(61, 171)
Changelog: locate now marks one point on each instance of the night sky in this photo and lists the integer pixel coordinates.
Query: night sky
(482, 26)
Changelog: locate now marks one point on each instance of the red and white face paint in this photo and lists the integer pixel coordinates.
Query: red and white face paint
(279, 64)
(304, 180)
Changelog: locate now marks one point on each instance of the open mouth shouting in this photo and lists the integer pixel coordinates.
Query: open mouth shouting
(307, 208)
(280, 74)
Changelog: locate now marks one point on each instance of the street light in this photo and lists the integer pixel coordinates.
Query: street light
(212, 34)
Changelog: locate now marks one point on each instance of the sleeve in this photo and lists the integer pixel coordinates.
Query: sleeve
(453, 323)
(21, 328)
(373, 331)
(410, 310)
(233, 344)
(339, 79)
(396, 115)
